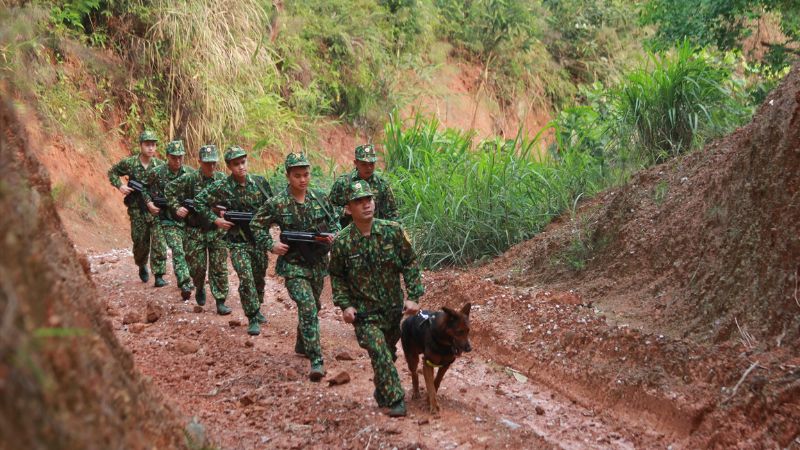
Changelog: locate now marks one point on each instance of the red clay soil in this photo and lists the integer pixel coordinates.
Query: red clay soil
(65, 380)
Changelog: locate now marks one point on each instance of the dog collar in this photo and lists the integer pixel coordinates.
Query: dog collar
(435, 366)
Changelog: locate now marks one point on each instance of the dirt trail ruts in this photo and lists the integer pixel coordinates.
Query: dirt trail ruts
(252, 392)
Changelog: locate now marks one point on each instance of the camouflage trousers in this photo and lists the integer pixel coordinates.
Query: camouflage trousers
(208, 251)
(147, 240)
(306, 293)
(379, 336)
(175, 238)
(251, 267)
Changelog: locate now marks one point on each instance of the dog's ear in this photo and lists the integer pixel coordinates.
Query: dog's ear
(466, 309)
(451, 314)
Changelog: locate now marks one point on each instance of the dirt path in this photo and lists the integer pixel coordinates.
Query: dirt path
(253, 392)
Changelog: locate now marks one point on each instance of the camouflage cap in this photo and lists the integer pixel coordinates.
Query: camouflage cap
(296, 159)
(366, 153)
(234, 152)
(147, 135)
(358, 189)
(209, 153)
(175, 148)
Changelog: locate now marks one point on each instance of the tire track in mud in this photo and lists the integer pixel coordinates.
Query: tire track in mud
(253, 392)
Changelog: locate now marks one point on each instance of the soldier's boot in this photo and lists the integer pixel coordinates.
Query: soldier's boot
(261, 318)
(200, 296)
(186, 294)
(160, 282)
(253, 328)
(298, 347)
(317, 372)
(144, 275)
(222, 310)
(398, 409)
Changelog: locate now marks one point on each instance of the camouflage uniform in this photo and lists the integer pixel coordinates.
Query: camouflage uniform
(250, 264)
(144, 228)
(205, 245)
(385, 204)
(303, 280)
(170, 226)
(365, 275)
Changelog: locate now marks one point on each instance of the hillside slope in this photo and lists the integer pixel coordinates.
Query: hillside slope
(65, 380)
(706, 245)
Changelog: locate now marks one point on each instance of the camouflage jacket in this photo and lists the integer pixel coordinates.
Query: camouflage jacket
(235, 197)
(132, 168)
(157, 181)
(365, 270)
(385, 205)
(314, 214)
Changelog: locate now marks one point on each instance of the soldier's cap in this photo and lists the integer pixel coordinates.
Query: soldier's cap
(175, 148)
(147, 135)
(234, 152)
(209, 153)
(358, 189)
(366, 153)
(296, 159)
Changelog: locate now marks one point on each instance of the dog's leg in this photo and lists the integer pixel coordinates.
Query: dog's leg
(427, 371)
(413, 361)
(439, 375)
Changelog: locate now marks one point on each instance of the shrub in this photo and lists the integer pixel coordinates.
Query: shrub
(464, 200)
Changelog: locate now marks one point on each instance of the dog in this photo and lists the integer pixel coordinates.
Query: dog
(439, 337)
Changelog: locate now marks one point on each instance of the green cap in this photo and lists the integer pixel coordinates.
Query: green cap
(296, 159)
(234, 152)
(147, 135)
(366, 153)
(209, 153)
(358, 189)
(175, 148)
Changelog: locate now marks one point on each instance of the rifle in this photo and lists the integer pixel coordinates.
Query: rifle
(136, 195)
(240, 219)
(312, 245)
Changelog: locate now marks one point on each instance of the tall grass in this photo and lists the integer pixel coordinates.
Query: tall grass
(464, 200)
(221, 76)
(677, 104)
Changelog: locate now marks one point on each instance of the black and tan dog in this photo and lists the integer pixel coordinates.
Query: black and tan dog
(439, 337)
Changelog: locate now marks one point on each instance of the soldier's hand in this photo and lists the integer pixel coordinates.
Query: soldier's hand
(410, 308)
(223, 224)
(329, 239)
(125, 189)
(279, 248)
(182, 212)
(154, 210)
(349, 315)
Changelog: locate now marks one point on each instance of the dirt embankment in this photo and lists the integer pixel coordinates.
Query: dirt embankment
(686, 315)
(65, 381)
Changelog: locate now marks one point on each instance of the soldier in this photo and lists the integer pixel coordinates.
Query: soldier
(367, 259)
(385, 206)
(244, 193)
(299, 208)
(146, 238)
(170, 227)
(205, 244)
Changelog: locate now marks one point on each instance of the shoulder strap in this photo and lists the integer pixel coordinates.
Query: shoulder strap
(322, 205)
(260, 185)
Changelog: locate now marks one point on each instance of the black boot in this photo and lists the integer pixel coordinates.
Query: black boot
(144, 275)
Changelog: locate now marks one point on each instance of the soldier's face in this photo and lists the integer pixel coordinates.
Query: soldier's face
(361, 208)
(174, 162)
(208, 168)
(298, 178)
(238, 168)
(365, 169)
(148, 148)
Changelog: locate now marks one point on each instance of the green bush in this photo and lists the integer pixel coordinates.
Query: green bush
(464, 200)
(682, 100)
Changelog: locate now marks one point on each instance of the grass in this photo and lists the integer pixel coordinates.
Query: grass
(464, 200)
